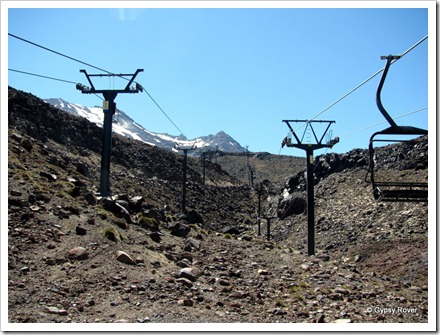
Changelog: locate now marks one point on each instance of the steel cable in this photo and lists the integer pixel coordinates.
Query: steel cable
(361, 84)
(98, 68)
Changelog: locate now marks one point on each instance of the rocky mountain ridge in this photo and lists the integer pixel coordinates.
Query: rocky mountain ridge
(126, 126)
(136, 258)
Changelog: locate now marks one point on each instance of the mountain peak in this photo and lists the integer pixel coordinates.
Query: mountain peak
(127, 127)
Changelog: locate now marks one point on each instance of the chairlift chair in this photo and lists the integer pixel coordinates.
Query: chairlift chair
(400, 191)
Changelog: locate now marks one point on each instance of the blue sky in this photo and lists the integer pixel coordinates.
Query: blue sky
(240, 70)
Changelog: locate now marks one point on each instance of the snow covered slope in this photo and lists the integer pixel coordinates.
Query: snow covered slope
(125, 126)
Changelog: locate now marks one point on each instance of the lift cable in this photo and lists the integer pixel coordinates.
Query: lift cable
(376, 124)
(47, 77)
(368, 79)
(39, 75)
(98, 68)
(160, 108)
(363, 83)
(58, 53)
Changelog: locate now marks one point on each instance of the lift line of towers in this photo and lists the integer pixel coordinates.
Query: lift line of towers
(384, 191)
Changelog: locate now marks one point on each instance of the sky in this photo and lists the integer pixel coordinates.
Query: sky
(238, 70)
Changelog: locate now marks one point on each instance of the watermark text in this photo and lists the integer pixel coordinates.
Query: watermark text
(391, 310)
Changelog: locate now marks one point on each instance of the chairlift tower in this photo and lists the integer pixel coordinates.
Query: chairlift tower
(250, 172)
(203, 158)
(259, 190)
(309, 148)
(185, 150)
(109, 109)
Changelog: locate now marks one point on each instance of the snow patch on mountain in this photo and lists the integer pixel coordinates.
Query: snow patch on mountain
(125, 126)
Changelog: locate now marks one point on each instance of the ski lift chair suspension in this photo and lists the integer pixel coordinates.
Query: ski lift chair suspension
(393, 190)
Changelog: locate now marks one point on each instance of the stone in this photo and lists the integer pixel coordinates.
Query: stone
(231, 230)
(56, 310)
(179, 229)
(135, 203)
(341, 290)
(184, 263)
(140, 260)
(170, 257)
(50, 261)
(116, 208)
(305, 267)
(263, 272)
(64, 214)
(121, 224)
(34, 208)
(192, 243)
(193, 217)
(78, 253)
(238, 295)
(122, 211)
(16, 137)
(123, 257)
(155, 236)
(291, 205)
(224, 282)
(195, 243)
(186, 302)
(325, 258)
(190, 273)
(62, 312)
(90, 198)
(154, 213)
(53, 310)
(83, 169)
(27, 144)
(343, 321)
(155, 263)
(80, 230)
(246, 238)
(48, 176)
(184, 281)
(16, 193)
(12, 201)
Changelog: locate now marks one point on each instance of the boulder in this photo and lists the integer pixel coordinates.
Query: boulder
(194, 217)
(78, 253)
(80, 230)
(116, 208)
(83, 169)
(123, 257)
(179, 229)
(90, 198)
(190, 273)
(291, 205)
(231, 230)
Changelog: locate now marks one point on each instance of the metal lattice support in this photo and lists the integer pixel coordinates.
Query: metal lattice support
(109, 109)
(309, 148)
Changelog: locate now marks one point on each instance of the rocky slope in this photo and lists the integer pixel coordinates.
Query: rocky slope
(73, 257)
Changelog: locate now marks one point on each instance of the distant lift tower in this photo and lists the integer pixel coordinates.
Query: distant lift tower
(109, 109)
(185, 149)
(309, 148)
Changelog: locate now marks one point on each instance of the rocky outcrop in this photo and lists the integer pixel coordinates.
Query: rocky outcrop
(409, 155)
(291, 205)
